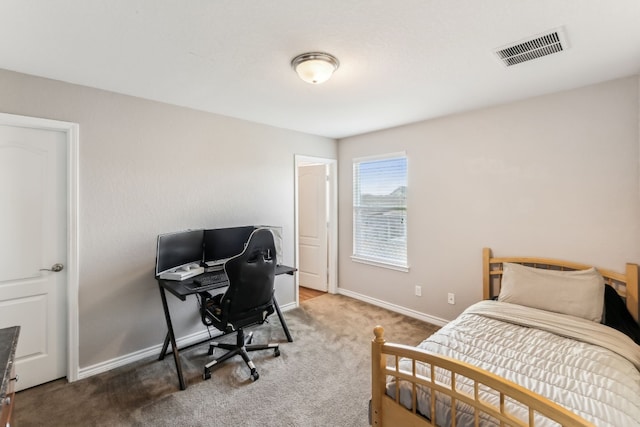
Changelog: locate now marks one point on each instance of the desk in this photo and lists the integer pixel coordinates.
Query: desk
(184, 288)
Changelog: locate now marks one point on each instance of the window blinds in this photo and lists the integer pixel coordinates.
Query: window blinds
(380, 210)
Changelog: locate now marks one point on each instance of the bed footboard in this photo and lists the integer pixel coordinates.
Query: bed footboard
(511, 405)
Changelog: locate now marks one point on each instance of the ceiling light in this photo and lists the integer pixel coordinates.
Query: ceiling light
(315, 67)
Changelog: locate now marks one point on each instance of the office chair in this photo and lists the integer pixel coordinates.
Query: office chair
(247, 301)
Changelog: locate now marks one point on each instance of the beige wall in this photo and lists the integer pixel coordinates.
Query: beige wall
(148, 168)
(553, 176)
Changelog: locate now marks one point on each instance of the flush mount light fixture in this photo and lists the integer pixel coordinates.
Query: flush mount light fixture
(315, 67)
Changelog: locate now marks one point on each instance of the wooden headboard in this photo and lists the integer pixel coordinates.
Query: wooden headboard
(626, 284)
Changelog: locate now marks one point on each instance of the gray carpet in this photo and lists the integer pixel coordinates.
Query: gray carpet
(320, 379)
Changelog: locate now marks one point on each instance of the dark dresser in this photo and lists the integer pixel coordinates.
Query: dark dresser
(8, 344)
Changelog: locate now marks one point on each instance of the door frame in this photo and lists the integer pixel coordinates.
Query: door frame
(71, 131)
(332, 246)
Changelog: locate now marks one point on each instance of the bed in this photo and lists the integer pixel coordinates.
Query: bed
(524, 356)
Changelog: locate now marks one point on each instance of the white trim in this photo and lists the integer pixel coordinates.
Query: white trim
(333, 226)
(364, 259)
(72, 267)
(73, 256)
(395, 308)
(153, 351)
(389, 265)
(333, 220)
(287, 307)
(385, 156)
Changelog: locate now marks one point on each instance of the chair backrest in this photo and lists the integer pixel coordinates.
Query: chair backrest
(251, 277)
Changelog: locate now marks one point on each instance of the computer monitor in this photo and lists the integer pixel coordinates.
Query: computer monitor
(220, 244)
(178, 249)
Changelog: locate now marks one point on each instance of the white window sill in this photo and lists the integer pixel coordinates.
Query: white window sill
(390, 266)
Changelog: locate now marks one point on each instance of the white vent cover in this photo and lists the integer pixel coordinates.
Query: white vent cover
(553, 41)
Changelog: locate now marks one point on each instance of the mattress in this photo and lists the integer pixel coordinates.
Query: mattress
(588, 368)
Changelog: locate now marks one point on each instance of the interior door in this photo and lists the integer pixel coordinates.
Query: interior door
(312, 229)
(32, 238)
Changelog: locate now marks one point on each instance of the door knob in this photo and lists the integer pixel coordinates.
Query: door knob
(55, 268)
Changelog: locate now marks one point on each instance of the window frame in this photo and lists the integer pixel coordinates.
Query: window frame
(363, 258)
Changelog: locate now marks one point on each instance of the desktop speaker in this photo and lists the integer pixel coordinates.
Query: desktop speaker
(277, 239)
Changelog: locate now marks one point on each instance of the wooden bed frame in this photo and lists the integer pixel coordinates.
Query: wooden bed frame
(387, 411)
(626, 284)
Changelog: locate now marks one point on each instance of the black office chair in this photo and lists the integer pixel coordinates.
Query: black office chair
(247, 301)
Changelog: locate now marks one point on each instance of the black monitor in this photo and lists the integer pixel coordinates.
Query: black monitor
(220, 244)
(178, 249)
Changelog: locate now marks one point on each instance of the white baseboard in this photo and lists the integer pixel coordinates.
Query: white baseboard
(203, 335)
(395, 308)
(288, 307)
(152, 351)
(139, 355)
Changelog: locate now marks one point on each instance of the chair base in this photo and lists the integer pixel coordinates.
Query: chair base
(241, 347)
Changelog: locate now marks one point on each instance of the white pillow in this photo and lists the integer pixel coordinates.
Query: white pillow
(578, 293)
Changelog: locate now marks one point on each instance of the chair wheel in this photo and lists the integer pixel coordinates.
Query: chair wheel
(276, 352)
(206, 375)
(210, 352)
(254, 375)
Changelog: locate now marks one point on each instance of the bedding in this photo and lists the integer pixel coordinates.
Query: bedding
(617, 316)
(587, 367)
(578, 293)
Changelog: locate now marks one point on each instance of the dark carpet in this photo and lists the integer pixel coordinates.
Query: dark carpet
(320, 379)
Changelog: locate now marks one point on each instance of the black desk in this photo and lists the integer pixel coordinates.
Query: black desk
(184, 288)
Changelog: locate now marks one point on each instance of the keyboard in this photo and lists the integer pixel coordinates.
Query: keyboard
(210, 279)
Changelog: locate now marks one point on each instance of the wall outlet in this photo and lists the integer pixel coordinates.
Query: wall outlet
(451, 298)
(418, 291)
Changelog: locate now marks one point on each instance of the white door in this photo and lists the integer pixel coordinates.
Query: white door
(312, 229)
(33, 212)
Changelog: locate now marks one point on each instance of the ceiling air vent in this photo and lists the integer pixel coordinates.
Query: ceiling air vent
(534, 47)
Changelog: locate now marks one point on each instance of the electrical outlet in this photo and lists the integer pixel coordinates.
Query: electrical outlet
(451, 298)
(418, 291)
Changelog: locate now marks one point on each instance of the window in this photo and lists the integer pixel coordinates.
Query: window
(380, 210)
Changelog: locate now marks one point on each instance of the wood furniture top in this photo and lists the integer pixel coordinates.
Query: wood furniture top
(8, 344)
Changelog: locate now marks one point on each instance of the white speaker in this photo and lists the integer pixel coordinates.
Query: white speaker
(277, 239)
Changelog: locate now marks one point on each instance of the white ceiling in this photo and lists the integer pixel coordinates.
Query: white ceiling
(401, 61)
